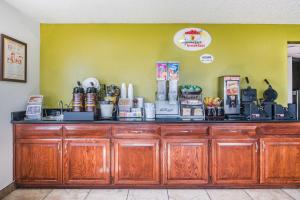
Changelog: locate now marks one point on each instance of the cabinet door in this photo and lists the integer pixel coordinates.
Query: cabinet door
(234, 161)
(136, 161)
(38, 161)
(280, 160)
(86, 161)
(185, 161)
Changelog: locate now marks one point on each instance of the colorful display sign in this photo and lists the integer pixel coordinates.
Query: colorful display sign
(167, 70)
(161, 71)
(192, 39)
(173, 70)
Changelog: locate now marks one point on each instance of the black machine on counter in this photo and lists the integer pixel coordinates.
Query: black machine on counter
(251, 109)
(285, 113)
(267, 108)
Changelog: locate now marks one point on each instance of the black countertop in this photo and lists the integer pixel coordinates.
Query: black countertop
(159, 121)
(18, 118)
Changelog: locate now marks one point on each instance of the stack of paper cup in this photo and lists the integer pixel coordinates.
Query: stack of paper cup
(123, 91)
(130, 91)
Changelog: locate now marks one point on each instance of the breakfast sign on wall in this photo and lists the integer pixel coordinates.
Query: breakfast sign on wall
(194, 39)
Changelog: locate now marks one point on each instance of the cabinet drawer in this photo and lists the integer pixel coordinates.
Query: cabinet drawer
(239, 131)
(136, 131)
(86, 130)
(279, 129)
(38, 130)
(184, 130)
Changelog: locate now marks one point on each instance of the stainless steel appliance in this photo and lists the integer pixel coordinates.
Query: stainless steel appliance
(229, 91)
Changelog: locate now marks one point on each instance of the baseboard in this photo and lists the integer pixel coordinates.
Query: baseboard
(8, 189)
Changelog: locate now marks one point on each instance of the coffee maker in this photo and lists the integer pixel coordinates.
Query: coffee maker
(229, 91)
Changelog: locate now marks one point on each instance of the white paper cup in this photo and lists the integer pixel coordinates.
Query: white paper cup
(149, 110)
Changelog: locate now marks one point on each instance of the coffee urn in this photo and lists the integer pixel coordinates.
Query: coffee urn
(78, 98)
(91, 99)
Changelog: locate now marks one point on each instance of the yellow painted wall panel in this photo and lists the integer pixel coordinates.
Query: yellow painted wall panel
(116, 53)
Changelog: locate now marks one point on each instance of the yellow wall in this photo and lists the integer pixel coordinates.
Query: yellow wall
(128, 52)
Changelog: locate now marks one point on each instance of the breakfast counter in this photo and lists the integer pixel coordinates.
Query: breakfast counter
(18, 118)
(164, 153)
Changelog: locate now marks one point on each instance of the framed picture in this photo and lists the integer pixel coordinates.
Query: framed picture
(13, 66)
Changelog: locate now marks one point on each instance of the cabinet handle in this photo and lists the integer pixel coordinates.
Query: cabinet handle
(256, 147)
(185, 131)
(136, 131)
(263, 146)
(234, 131)
(65, 147)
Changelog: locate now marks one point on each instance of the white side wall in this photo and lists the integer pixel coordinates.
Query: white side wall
(290, 79)
(13, 95)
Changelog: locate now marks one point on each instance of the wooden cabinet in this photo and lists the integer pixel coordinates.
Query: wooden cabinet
(87, 161)
(234, 161)
(280, 160)
(136, 161)
(185, 161)
(38, 161)
(157, 155)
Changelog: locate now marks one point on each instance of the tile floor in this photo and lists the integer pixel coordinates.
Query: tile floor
(155, 194)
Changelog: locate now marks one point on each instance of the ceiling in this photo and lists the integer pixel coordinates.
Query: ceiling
(161, 11)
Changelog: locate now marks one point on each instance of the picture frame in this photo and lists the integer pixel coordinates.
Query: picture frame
(13, 63)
